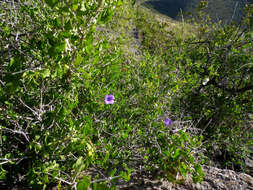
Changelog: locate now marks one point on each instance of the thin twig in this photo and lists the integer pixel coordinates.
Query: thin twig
(105, 179)
(2, 83)
(62, 180)
(29, 69)
(4, 162)
(17, 132)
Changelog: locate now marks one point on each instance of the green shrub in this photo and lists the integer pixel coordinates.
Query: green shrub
(208, 77)
(56, 68)
(215, 73)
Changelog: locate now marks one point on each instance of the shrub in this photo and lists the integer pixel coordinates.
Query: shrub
(215, 73)
(208, 77)
(56, 70)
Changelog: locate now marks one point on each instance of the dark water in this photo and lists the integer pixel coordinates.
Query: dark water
(170, 8)
(225, 10)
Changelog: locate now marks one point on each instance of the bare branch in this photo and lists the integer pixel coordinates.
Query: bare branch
(105, 179)
(62, 180)
(2, 83)
(28, 69)
(16, 131)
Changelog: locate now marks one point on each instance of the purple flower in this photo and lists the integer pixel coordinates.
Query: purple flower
(167, 122)
(109, 99)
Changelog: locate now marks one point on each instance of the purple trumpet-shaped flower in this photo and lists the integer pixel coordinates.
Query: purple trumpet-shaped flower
(109, 99)
(167, 122)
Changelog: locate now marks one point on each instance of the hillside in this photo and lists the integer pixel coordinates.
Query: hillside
(113, 95)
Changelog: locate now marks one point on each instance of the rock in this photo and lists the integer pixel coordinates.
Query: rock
(247, 179)
(249, 163)
(215, 179)
(223, 179)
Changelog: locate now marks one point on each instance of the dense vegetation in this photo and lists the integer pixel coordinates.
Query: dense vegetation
(93, 91)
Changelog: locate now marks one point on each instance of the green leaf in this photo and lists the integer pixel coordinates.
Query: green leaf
(78, 163)
(74, 6)
(100, 186)
(176, 154)
(119, 2)
(61, 47)
(45, 73)
(79, 59)
(6, 31)
(198, 168)
(106, 157)
(126, 175)
(11, 61)
(89, 43)
(51, 3)
(183, 169)
(112, 172)
(84, 184)
(68, 25)
(2, 173)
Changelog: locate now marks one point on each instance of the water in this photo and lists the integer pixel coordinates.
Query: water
(170, 8)
(225, 10)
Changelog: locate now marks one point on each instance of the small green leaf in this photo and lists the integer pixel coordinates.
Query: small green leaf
(45, 73)
(78, 163)
(79, 59)
(75, 6)
(100, 186)
(176, 154)
(183, 169)
(126, 175)
(198, 169)
(2, 173)
(11, 61)
(84, 184)
(119, 3)
(51, 3)
(112, 172)
(61, 47)
(6, 30)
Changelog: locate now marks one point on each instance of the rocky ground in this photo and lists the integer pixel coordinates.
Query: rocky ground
(215, 179)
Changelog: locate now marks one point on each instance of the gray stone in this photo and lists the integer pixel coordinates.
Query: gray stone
(215, 179)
